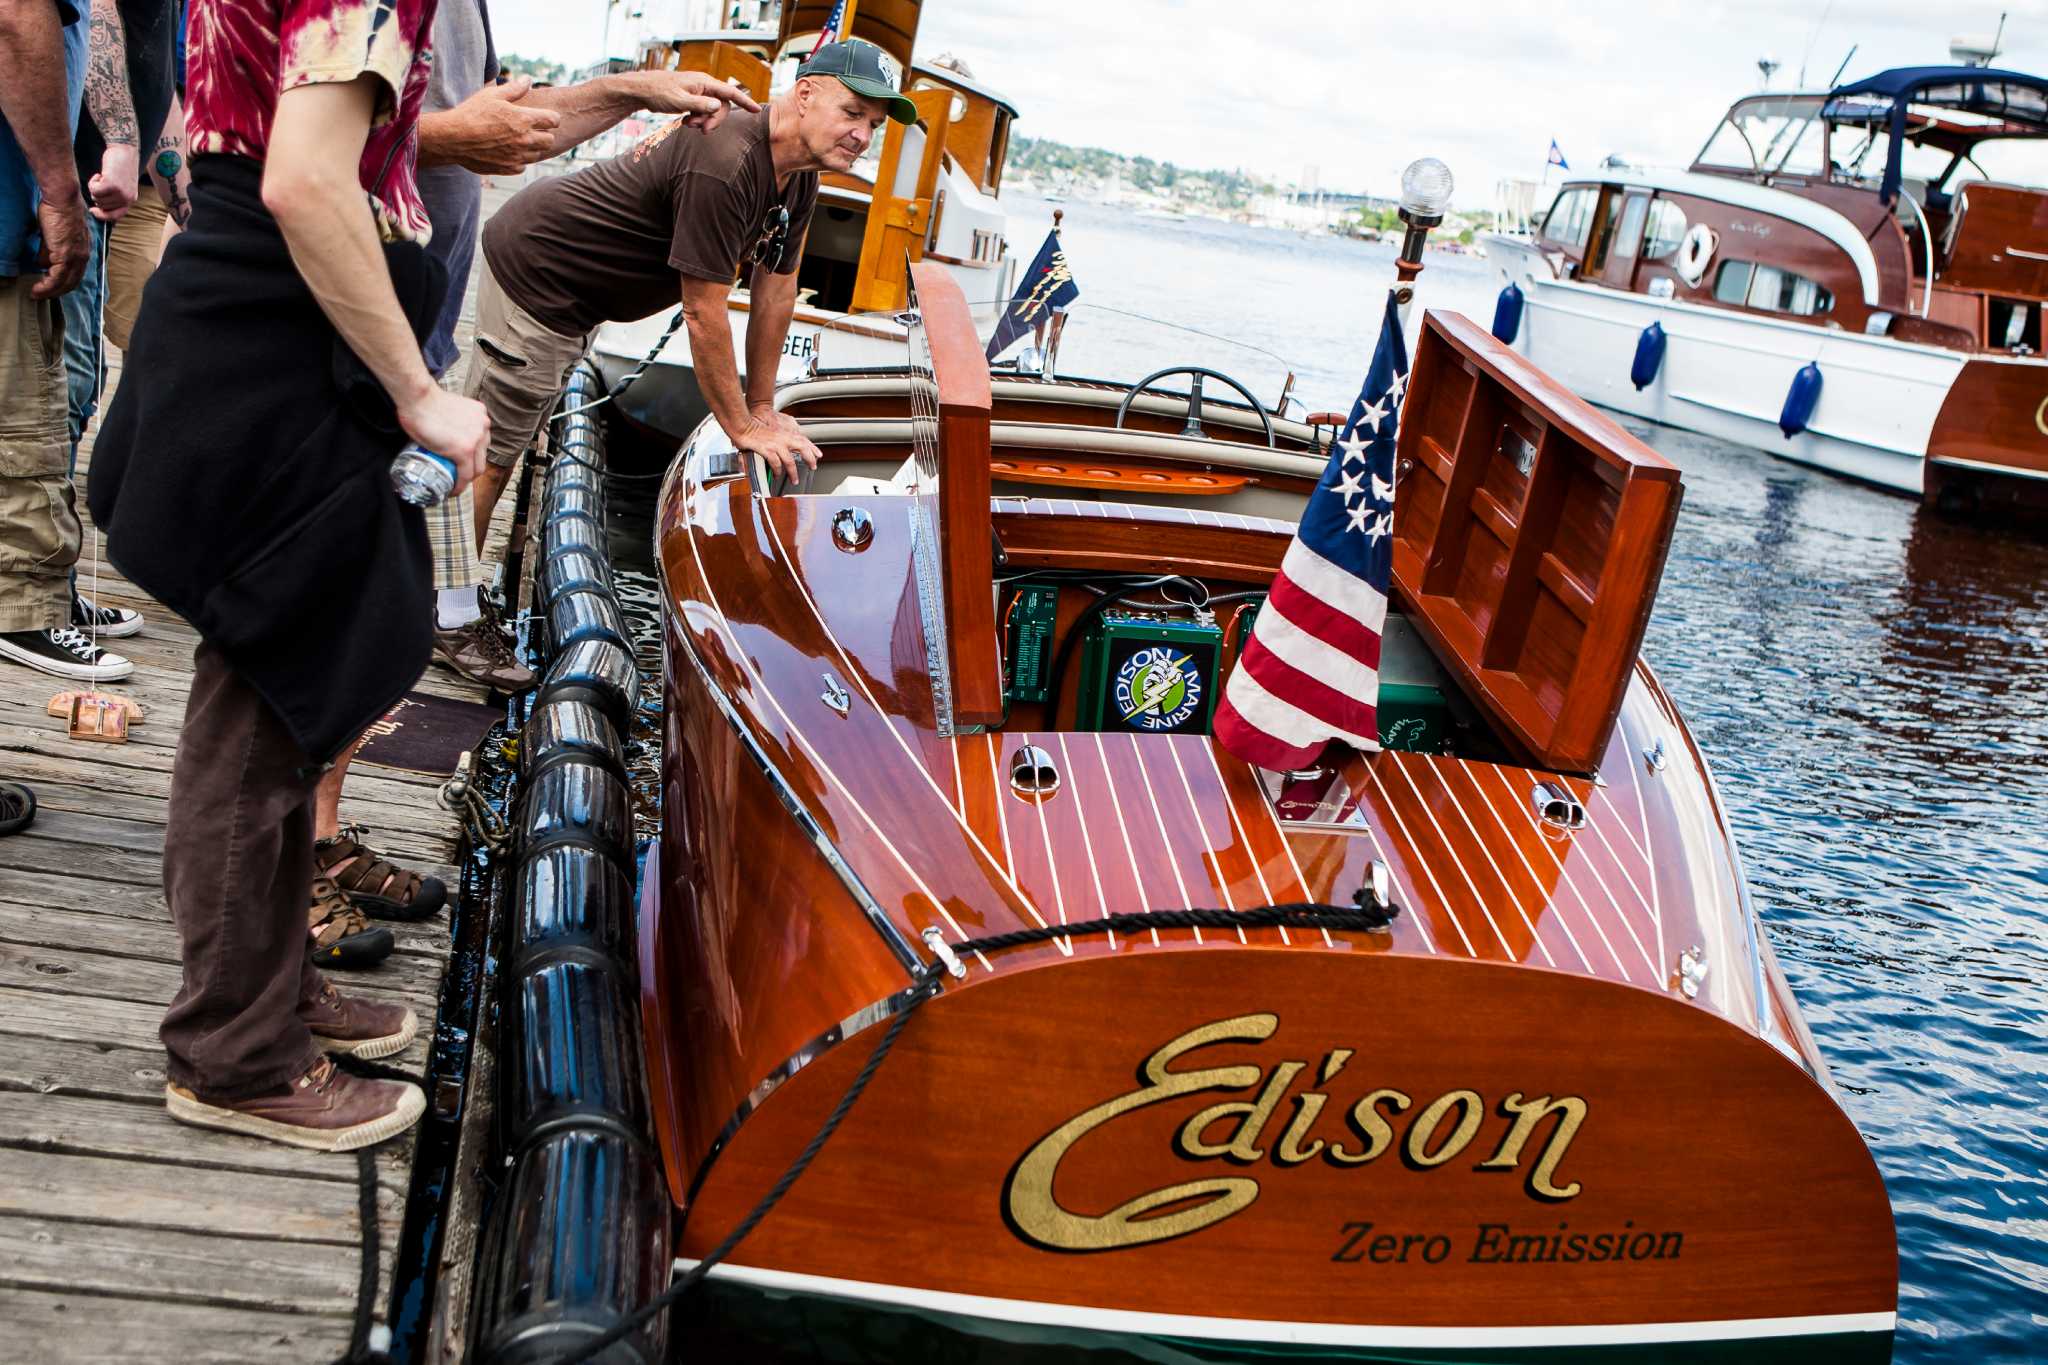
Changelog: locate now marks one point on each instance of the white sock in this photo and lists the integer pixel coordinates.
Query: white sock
(455, 608)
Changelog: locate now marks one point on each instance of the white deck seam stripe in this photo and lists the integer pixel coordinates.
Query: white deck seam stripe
(1437, 769)
(1116, 808)
(1401, 826)
(1159, 824)
(1087, 840)
(1400, 766)
(1216, 863)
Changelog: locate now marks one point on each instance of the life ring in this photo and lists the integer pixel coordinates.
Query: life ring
(1694, 252)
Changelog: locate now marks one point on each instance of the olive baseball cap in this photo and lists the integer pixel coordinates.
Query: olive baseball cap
(864, 69)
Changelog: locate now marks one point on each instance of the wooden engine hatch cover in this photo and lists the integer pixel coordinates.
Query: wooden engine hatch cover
(1530, 533)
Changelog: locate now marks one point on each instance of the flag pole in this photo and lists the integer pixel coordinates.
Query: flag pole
(1425, 193)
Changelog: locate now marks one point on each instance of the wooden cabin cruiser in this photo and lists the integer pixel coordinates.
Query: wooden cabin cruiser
(1561, 1104)
(927, 192)
(1853, 279)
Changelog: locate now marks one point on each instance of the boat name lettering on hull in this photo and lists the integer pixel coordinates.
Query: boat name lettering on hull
(1504, 1244)
(1520, 1133)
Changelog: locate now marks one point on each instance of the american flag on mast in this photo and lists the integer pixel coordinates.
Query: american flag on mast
(1309, 674)
(830, 33)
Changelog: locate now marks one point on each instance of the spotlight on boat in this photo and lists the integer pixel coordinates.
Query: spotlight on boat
(1425, 194)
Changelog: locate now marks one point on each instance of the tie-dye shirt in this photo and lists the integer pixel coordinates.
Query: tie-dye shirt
(242, 54)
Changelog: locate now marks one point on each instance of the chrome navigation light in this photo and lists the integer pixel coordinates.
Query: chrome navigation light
(1425, 191)
(1425, 194)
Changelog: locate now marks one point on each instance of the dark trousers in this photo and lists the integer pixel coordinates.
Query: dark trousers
(238, 862)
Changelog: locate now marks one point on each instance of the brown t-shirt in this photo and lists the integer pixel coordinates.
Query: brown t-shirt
(607, 243)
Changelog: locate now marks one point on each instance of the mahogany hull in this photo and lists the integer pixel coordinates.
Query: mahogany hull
(1513, 1066)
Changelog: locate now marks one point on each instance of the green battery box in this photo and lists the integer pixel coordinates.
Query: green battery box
(1148, 673)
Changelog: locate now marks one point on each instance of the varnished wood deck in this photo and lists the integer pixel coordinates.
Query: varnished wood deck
(123, 1235)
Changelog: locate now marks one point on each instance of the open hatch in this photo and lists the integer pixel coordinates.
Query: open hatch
(1530, 536)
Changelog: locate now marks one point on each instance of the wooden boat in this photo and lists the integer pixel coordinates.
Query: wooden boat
(1562, 1107)
(1848, 278)
(928, 192)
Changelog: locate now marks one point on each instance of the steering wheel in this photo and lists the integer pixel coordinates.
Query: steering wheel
(1194, 424)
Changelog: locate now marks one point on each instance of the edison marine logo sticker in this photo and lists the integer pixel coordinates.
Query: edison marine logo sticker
(1158, 689)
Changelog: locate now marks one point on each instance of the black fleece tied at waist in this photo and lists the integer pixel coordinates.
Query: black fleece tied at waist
(243, 472)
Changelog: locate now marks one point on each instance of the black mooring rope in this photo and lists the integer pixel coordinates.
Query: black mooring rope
(359, 1349)
(1297, 914)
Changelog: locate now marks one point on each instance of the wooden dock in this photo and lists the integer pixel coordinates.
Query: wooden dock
(124, 1235)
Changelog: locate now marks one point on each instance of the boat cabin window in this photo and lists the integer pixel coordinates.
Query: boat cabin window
(1666, 230)
(1571, 216)
(1768, 288)
(1631, 230)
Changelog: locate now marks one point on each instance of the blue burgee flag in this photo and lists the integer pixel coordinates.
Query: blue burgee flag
(1310, 672)
(1556, 157)
(1047, 284)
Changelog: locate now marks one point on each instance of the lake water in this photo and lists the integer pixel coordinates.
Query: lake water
(1868, 680)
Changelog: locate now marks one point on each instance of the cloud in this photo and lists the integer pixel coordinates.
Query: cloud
(1357, 88)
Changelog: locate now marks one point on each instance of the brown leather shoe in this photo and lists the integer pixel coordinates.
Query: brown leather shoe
(479, 653)
(359, 1027)
(327, 1110)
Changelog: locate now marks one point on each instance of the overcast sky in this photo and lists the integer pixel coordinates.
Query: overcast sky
(1355, 89)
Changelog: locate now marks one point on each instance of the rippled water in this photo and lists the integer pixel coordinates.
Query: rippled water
(1867, 680)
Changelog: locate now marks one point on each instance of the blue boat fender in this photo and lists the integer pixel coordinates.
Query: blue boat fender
(1507, 314)
(1649, 356)
(1800, 400)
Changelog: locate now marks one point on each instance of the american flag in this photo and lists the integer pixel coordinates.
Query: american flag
(830, 33)
(1310, 672)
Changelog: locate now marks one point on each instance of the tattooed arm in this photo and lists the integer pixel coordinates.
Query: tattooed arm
(113, 111)
(168, 169)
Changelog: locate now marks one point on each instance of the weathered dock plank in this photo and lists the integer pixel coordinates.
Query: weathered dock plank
(82, 1329)
(101, 1258)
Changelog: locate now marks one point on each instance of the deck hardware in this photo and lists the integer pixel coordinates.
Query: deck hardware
(935, 939)
(1655, 757)
(1518, 448)
(1033, 773)
(835, 696)
(1557, 807)
(1692, 971)
(1375, 898)
(852, 529)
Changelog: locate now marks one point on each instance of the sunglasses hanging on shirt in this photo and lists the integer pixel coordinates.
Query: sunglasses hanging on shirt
(774, 240)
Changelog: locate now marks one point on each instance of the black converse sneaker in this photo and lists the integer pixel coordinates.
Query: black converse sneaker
(65, 651)
(112, 622)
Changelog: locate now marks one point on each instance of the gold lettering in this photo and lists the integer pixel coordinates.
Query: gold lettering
(1570, 1111)
(1253, 1120)
(1377, 1132)
(1424, 1128)
(1029, 1200)
(1308, 1109)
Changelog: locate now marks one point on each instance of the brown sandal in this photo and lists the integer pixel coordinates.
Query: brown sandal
(341, 936)
(377, 886)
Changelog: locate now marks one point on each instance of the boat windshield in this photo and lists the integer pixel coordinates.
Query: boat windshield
(1770, 135)
(1943, 148)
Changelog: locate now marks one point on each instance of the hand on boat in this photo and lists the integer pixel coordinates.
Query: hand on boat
(702, 100)
(777, 438)
(452, 426)
(492, 132)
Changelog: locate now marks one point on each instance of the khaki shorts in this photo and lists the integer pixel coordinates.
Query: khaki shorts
(133, 248)
(516, 369)
(39, 531)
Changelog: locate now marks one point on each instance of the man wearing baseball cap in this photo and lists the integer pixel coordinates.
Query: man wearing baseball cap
(683, 215)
